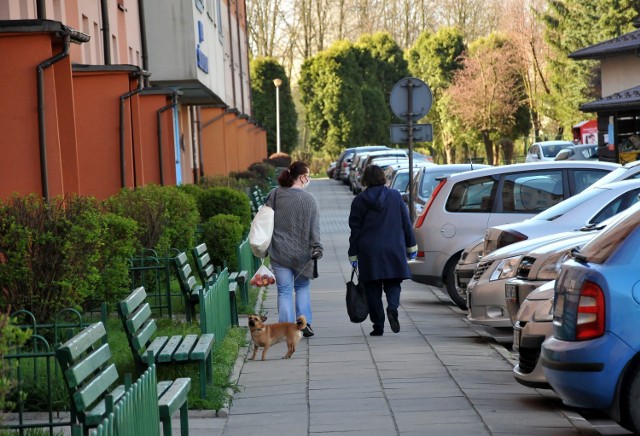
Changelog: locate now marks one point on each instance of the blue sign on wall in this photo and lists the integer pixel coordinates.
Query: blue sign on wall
(202, 60)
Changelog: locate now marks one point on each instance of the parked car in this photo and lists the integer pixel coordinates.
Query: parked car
(486, 298)
(365, 158)
(398, 176)
(630, 170)
(426, 179)
(589, 207)
(381, 161)
(545, 150)
(591, 361)
(346, 157)
(533, 324)
(463, 206)
(578, 152)
(331, 169)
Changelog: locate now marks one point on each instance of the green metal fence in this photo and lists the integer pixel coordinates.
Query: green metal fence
(215, 307)
(33, 367)
(137, 412)
(154, 273)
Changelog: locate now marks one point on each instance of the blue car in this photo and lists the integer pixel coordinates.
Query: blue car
(593, 359)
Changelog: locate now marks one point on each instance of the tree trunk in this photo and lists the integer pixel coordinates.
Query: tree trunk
(488, 146)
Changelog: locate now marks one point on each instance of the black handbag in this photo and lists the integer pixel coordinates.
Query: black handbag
(357, 306)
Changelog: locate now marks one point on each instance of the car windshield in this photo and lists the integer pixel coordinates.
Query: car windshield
(565, 206)
(605, 243)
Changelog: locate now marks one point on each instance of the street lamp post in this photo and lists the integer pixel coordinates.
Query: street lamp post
(277, 82)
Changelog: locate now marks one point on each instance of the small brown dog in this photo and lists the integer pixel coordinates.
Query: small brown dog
(265, 335)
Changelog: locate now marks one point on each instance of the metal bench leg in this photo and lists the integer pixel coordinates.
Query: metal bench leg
(184, 419)
(203, 378)
(166, 425)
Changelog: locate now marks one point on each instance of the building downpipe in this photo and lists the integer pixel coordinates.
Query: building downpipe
(173, 104)
(68, 35)
(106, 32)
(123, 97)
(143, 40)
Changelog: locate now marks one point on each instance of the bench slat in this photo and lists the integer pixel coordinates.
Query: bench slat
(138, 318)
(173, 397)
(96, 388)
(166, 354)
(143, 335)
(155, 346)
(77, 374)
(182, 353)
(203, 348)
(96, 414)
(74, 347)
(135, 299)
(200, 249)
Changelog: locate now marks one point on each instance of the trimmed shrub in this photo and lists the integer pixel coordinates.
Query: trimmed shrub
(223, 181)
(167, 217)
(279, 160)
(222, 234)
(220, 200)
(57, 253)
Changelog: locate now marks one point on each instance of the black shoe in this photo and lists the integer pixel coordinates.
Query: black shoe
(393, 320)
(375, 332)
(307, 332)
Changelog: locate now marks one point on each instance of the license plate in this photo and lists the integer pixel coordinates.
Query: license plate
(511, 292)
(516, 339)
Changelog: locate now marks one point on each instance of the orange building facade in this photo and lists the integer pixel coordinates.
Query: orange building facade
(100, 95)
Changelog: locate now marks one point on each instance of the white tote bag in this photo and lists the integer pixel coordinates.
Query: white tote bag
(262, 230)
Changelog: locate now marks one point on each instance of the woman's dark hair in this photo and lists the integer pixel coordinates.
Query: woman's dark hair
(295, 170)
(373, 176)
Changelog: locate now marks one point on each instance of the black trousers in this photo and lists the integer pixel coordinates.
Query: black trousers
(374, 290)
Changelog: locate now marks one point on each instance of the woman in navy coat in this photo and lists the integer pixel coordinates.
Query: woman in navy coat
(381, 240)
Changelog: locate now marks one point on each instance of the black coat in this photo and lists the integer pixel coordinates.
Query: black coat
(381, 234)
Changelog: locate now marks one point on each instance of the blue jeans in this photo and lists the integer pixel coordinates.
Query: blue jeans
(288, 281)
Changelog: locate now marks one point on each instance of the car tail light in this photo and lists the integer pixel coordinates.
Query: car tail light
(590, 323)
(423, 215)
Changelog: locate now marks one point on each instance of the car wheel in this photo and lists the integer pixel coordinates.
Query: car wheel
(457, 295)
(630, 404)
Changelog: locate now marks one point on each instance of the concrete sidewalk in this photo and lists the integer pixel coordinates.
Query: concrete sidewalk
(437, 376)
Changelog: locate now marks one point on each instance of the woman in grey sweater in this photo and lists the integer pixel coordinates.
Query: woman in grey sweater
(295, 243)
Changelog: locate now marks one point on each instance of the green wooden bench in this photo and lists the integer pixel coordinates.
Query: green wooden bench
(188, 284)
(90, 374)
(135, 314)
(206, 269)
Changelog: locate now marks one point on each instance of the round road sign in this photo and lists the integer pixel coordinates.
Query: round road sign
(421, 99)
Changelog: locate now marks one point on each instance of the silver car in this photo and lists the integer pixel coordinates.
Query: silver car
(486, 298)
(464, 205)
(534, 324)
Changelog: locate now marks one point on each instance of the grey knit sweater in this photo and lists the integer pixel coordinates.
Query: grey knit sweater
(296, 229)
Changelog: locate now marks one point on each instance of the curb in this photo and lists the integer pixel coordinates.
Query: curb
(223, 412)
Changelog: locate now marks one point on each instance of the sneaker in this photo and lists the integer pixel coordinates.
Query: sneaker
(307, 331)
(393, 320)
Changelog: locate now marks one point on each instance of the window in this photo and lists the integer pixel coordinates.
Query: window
(621, 203)
(531, 192)
(585, 178)
(472, 196)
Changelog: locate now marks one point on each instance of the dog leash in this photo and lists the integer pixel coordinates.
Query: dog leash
(300, 273)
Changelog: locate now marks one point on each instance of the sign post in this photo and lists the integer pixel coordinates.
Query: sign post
(410, 100)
